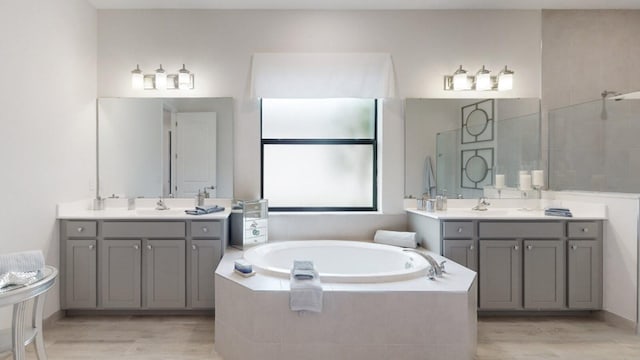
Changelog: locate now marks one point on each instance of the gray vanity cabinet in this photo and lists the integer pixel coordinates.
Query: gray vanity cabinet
(120, 269)
(205, 256)
(462, 251)
(80, 255)
(527, 271)
(80, 293)
(501, 274)
(584, 265)
(544, 274)
(165, 278)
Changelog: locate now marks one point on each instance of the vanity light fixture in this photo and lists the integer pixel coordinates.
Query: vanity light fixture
(482, 81)
(505, 79)
(160, 80)
(137, 79)
(460, 80)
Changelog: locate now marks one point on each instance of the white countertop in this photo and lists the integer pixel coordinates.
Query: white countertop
(81, 210)
(512, 210)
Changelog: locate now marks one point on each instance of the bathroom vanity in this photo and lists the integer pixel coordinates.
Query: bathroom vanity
(524, 260)
(121, 260)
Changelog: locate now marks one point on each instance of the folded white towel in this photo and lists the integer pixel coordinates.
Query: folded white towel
(24, 261)
(306, 295)
(396, 238)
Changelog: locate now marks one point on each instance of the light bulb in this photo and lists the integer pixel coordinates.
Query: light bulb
(505, 80)
(161, 78)
(184, 78)
(483, 79)
(137, 79)
(460, 80)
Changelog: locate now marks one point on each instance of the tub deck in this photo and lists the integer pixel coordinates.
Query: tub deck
(409, 319)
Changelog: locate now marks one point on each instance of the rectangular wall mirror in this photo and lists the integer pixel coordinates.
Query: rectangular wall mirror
(151, 147)
(459, 145)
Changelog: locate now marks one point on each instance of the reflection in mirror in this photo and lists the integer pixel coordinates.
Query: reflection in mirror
(469, 141)
(154, 147)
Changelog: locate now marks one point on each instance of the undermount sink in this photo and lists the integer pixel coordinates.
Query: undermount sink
(171, 212)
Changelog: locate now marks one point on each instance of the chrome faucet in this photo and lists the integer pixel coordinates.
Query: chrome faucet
(435, 269)
(160, 205)
(482, 204)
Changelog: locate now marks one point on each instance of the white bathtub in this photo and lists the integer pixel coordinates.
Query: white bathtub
(339, 261)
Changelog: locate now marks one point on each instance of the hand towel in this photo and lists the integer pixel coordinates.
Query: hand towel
(396, 238)
(202, 210)
(26, 261)
(303, 270)
(306, 295)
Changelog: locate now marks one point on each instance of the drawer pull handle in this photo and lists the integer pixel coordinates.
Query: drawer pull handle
(516, 247)
(91, 247)
(574, 247)
(194, 247)
(149, 247)
(460, 229)
(80, 229)
(470, 247)
(205, 229)
(585, 230)
(136, 247)
(529, 247)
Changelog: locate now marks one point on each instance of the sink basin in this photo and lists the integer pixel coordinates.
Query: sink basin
(154, 212)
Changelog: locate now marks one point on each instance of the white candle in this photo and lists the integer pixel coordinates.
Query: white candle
(525, 181)
(499, 181)
(538, 178)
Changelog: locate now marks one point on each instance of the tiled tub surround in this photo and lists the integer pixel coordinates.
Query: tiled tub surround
(412, 319)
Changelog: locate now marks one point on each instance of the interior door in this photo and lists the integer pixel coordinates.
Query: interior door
(195, 153)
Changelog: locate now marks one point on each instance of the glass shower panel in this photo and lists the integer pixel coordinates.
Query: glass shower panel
(518, 146)
(592, 152)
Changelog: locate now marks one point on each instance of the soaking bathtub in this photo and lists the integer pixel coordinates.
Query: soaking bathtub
(378, 305)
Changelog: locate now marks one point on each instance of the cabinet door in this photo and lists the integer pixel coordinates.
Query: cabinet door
(544, 274)
(205, 256)
(584, 274)
(461, 251)
(500, 274)
(80, 280)
(120, 273)
(165, 274)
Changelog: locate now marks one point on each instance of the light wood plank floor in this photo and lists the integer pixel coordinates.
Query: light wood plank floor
(191, 337)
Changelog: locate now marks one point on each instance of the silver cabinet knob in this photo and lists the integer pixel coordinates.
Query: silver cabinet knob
(205, 229)
(516, 247)
(149, 247)
(471, 247)
(574, 247)
(194, 247)
(136, 246)
(460, 229)
(80, 229)
(91, 247)
(585, 230)
(529, 247)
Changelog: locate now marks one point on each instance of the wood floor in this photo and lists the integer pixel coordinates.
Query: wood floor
(191, 337)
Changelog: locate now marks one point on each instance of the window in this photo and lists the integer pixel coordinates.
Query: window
(319, 154)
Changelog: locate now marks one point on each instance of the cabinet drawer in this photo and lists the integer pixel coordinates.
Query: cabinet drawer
(80, 229)
(206, 229)
(521, 230)
(457, 229)
(582, 229)
(143, 229)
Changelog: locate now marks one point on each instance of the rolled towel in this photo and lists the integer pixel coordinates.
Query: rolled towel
(25, 261)
(396, 238)
(303, 270)
(305, 295)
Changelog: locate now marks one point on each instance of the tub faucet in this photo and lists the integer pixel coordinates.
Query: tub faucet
(160, 205)
(482, 204)
(435, 268)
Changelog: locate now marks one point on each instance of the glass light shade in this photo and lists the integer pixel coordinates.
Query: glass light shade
(483, 80)
(184, 78)
(161, 79)
(137, 79)
(505, 80)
